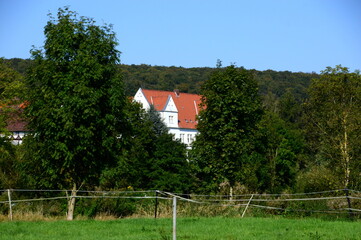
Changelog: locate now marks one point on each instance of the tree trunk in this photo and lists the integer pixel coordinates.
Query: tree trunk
(71, 204)
(272, 156)
(345, 155)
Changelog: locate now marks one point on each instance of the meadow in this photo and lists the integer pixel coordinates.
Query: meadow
(216, 228)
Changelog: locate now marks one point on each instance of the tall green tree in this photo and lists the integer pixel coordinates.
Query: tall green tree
(282, 149)
(138, 144)
(223, 150)
(76, 102)
(334, 110)
(159, 127)
(169, 169)
(151, 159)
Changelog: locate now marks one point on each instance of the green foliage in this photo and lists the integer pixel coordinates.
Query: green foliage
(12, 86)
(159, 126)
(282, 149)
(163, 78)
(191, 79)
(76, 102)
(151, 159)
(290, 108)
(279, 83)
(137, 142)
(12, 175)
(223, 149)
(317, 178)
(119, 207)
(334, 117)
(18, 64)
(7, 161)
(169, 168)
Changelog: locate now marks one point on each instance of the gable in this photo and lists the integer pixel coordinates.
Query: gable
(141, 98)
(186, 104)
(170, 105)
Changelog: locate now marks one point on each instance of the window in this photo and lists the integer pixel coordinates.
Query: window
(182, 137)
(189, 138)
(170, 119)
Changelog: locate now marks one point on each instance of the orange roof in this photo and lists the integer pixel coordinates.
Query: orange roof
(16, 125)
(15, 120)
(186, 103)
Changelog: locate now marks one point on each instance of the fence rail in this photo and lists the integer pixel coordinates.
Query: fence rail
(338, 201)
(335, 200)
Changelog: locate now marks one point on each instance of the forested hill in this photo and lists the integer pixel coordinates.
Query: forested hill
(190, 79)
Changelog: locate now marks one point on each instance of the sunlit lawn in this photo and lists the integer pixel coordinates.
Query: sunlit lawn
(187, 228)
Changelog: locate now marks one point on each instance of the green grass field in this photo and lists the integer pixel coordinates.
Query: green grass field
(187, 228)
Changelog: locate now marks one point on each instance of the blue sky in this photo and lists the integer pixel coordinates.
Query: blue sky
(292, 35)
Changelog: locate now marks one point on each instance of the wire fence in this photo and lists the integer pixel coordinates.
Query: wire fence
(341, 202)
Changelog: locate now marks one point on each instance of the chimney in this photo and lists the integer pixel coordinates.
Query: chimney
(176, 91)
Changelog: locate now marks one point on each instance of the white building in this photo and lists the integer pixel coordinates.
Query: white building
(178, 111)
(15, 124)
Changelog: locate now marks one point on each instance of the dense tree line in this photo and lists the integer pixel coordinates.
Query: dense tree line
(261, 131)
(190, 80)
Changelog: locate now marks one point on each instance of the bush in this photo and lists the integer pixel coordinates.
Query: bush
(317, 178)
(116, 207)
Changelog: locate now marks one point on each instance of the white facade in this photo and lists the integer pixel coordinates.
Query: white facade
(140, 98)
(170, 114)
(185, 135)
(165, 104)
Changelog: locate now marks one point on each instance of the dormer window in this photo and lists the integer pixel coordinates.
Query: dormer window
(170, 119)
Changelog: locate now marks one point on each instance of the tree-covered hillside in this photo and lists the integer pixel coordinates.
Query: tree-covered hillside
(191, 79)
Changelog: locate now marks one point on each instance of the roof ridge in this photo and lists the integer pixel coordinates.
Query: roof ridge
(170, 91)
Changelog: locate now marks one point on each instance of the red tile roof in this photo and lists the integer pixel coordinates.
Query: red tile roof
(15, 121)
(16, 125)
(186, 103)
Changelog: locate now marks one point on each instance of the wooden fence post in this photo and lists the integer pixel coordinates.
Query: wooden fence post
(174, 218)
(156, 204)
(10, 206)
(247, 206)
(71, 204)
(348, 203)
